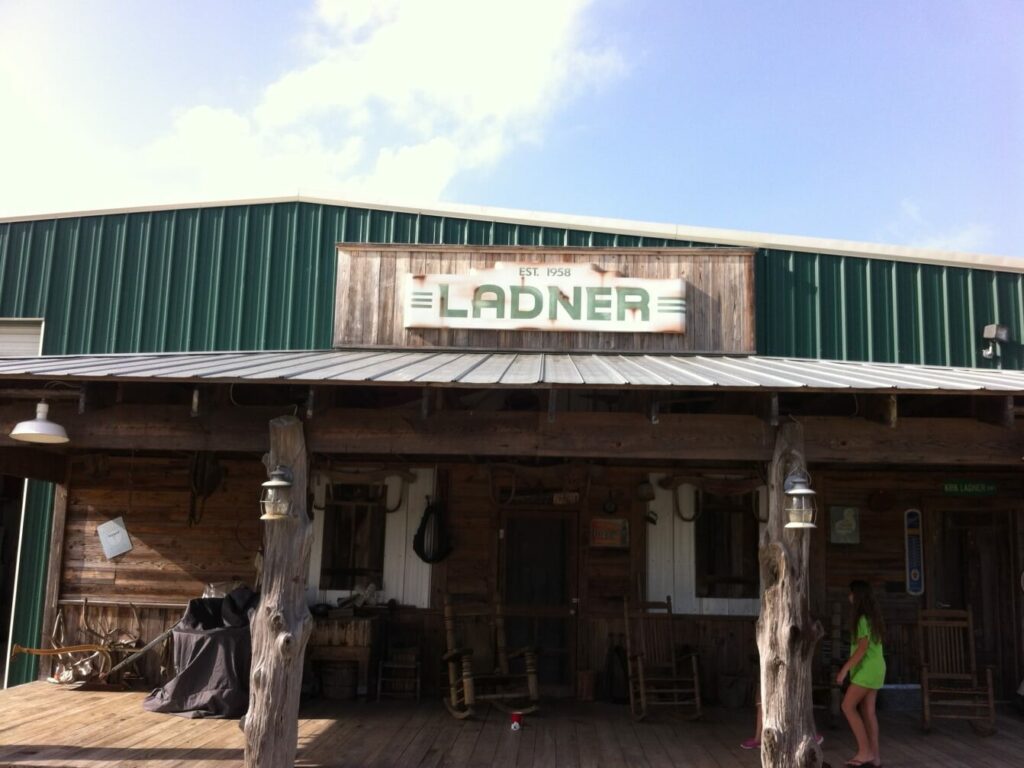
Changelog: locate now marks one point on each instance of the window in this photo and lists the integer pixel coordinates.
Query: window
(20, 337)
(353, 537)
(362, 533)
(726, 532)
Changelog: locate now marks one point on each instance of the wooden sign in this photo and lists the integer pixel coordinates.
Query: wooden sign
(545, 297)
(609, 532)
(655, 300)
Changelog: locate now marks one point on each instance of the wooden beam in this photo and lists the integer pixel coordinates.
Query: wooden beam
(998, 410)
(22, 460)
(53, 571)
(625, 436)
(880, 408)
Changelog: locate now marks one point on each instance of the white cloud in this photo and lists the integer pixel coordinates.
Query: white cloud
(397, 97)
(912, 226)
(970, 238)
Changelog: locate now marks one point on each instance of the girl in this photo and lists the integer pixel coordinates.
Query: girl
(866, 667)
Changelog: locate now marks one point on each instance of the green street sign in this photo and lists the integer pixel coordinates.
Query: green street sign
(969, 488)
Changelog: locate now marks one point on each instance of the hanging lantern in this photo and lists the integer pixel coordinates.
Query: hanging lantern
(800, 507)
(276, 500)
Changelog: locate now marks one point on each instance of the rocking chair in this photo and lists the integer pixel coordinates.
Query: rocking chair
(478, 662)
(659, 673)
(950, 684)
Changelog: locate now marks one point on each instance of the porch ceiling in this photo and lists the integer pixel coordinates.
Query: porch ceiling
(518, 369)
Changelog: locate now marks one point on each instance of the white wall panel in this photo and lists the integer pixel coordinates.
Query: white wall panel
(671, 565)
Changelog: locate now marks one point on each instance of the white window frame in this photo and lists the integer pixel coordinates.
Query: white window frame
(406, 577)
(671, 556)
(38, 322)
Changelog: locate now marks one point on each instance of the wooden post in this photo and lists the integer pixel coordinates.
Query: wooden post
(53, 573)
(787, 636)
(282, 622)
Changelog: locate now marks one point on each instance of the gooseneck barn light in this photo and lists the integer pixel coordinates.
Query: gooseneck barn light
(800, 506)
(40, 429)
(276, 500)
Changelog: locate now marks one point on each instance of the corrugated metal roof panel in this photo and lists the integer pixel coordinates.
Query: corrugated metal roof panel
(489, 371)
(560, 369)
(481, 369)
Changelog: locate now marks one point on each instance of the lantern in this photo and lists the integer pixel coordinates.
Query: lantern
(799, 506)
(276, 499)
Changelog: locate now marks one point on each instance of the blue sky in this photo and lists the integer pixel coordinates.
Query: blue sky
(895, 121)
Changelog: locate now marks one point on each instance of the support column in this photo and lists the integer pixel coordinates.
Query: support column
(787, 636)
(282, 623)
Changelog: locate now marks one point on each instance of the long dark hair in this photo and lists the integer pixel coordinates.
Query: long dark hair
(864, 604)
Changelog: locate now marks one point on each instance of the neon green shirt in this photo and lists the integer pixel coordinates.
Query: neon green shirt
(870, 672)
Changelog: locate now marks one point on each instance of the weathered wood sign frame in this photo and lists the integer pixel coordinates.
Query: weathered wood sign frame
(387, 296)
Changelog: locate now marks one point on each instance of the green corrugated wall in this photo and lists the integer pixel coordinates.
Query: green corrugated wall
(196, 279)
(262, 277)
(849, 308)
(31, 585)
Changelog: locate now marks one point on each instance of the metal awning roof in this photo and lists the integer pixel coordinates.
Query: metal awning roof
(420, 367)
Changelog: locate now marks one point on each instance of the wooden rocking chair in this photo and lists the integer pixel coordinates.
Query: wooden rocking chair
(950, 686)
(660, 674)
(478, 662)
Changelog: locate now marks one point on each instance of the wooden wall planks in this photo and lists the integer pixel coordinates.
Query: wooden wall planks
(170, 561)
(720, 297)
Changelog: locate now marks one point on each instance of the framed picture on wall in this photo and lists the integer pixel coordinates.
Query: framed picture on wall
(844, 525)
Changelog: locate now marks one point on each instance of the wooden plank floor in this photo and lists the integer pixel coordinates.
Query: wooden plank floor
(43, 725)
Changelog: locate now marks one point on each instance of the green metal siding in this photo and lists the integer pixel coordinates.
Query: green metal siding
(251, 277)
(31, 586)
(849, 308)
(262, 277)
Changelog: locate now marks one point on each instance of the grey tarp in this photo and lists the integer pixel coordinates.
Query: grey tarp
(212, 653)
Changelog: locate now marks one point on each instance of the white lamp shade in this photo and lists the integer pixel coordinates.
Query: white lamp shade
(40, 429)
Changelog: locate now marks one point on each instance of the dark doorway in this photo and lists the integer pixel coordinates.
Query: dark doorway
(539, 591)
(974, 570)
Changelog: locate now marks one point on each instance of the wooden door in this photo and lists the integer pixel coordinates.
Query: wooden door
(538, 578)
(975, 570)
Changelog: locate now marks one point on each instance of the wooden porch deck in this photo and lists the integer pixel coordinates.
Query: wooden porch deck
(42, 725)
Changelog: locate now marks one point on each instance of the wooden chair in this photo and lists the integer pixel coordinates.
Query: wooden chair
(478, 662)
(950, 685)
(660, 674)
(827, 693)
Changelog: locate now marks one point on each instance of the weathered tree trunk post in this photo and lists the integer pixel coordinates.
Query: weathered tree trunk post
(282, 623)
(786, 634)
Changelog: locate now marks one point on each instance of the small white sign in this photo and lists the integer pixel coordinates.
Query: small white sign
(545, 297)
(114, 538)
